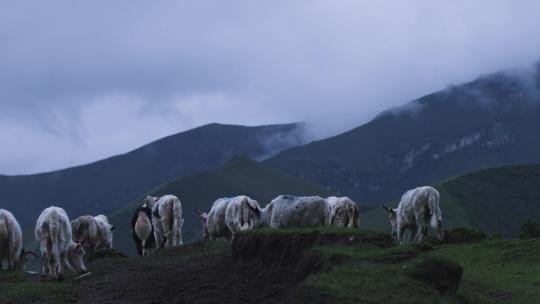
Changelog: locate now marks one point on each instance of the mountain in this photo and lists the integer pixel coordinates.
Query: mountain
(492, 200)
(239, 176)
(492, 121)
(106, 185)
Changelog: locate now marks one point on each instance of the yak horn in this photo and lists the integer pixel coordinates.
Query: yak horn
(387, 209)
(254, 209)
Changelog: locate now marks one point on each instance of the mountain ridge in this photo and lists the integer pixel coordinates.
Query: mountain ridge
(488, 122)
(105, 185)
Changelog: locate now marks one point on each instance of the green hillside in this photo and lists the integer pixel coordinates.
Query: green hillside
(239, 176)
(498, 199)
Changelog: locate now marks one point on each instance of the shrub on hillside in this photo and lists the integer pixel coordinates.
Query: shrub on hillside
(529, 230)
(464, 235)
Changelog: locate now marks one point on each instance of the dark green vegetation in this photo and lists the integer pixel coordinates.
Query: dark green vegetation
(529, 230)
(340, 265)
(363, 268)
(301, 266)
(492, 121)
(497, 201)
(366, 272)
(497, 271)
(494, 272)
(107, 185)
(464, 235)
(238, 176)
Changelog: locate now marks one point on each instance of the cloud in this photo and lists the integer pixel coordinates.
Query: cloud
(83, 74)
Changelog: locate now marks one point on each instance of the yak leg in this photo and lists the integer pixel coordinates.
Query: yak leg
(414, 231)
(45, 269)
(53, 266)
(422, 233)
(401, 233)
(62, 264)
(440, 231)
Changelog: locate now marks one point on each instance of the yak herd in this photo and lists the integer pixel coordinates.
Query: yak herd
(157, 223)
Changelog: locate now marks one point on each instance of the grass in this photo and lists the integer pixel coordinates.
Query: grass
(498, 271)
(373, 275)
(372, 284)
(20, 287)
(369, 252)
(495, 271)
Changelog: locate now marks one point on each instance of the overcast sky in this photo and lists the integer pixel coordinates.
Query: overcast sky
(83, 80)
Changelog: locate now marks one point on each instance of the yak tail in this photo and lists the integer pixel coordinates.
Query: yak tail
(4, 229)
(178, 222)
(92, 236)
(245, 213)
(52, 230)
(434, 210)
(356, 218)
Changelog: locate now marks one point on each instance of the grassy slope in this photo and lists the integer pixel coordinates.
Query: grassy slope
(498, 271)
(239, 176)
(504, 197)
(494, 272)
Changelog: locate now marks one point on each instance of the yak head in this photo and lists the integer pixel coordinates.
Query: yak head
(392, 218)
(204, 218)
(75, 257)
(255, 220)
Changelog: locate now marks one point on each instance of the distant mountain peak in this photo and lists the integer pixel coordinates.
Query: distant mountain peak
(490, 121)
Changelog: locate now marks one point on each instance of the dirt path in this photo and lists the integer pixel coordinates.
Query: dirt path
(192, 274)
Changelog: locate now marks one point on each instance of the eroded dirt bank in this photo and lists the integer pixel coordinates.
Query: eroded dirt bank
(196, 273)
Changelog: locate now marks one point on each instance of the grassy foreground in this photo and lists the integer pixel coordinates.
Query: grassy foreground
(498, 271)
(363, 271)
(494, 272)
(363, 268)
(18, 287)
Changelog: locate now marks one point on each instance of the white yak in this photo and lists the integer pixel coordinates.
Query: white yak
(416, 210)
(342, 212)
(214, 225)
(53, 233)
(94, 232)
(242, 213)
(11, 242)
(167, 220)
(287, 211)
